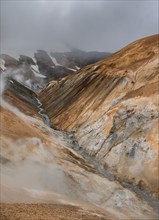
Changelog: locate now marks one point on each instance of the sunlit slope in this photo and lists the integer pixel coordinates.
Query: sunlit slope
(112, 108)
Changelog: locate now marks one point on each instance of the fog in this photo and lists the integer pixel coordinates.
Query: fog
(15, 74)
(88, 25)
(28, 171)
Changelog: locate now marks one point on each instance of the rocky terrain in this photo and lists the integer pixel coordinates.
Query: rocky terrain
(86, 146)
(112, 109)
(49, 212)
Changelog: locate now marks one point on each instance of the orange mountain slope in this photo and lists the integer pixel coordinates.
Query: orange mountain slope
(112, 109)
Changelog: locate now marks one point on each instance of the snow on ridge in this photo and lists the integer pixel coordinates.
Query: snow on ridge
(33, 58)
(36, 72)
(77, 67)
(71, 69)
(55, 61)
(35, 68)
(57, 64)
(39, 75)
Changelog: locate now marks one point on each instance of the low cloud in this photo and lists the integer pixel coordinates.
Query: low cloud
(88, 25)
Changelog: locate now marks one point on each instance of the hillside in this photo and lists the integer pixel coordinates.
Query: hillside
(111, 107)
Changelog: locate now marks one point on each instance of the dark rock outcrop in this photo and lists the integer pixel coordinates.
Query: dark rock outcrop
(26, 60)
(9, 61)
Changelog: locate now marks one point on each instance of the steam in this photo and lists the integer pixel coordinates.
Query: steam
(13, 73)
(35, 176)
(3, 83)
(30, 168)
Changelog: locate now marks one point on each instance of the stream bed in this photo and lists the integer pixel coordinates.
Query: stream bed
(153, 202)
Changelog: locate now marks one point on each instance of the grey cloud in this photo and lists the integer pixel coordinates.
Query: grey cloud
(87, 25)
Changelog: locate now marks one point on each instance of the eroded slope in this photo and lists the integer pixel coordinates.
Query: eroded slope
(112, 109)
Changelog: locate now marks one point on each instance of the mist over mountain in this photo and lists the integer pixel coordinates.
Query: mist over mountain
(27, 26)
(79, 121)
(35, 72)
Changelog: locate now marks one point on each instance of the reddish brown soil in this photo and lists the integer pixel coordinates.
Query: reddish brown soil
(46, 212)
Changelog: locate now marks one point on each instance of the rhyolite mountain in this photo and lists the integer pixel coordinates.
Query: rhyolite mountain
(87, 144)
(113, 110)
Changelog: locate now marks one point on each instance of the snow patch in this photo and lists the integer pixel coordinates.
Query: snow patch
(36, 72)
(33, 58)
(39, 75)
(55, 61)
(77, 67)
(35, 68)
(71, 69)
(57, 64)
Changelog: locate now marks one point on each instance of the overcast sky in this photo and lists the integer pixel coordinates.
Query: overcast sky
(88, 25)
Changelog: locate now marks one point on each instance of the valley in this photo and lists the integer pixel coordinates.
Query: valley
(84, 146)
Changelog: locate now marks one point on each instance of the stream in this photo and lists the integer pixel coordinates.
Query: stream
(41, 113)
(153, 202)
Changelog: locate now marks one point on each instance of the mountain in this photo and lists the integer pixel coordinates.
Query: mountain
(112, 109)
(77, 58)
(24, 70)
(85, 147)
(38, 71)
